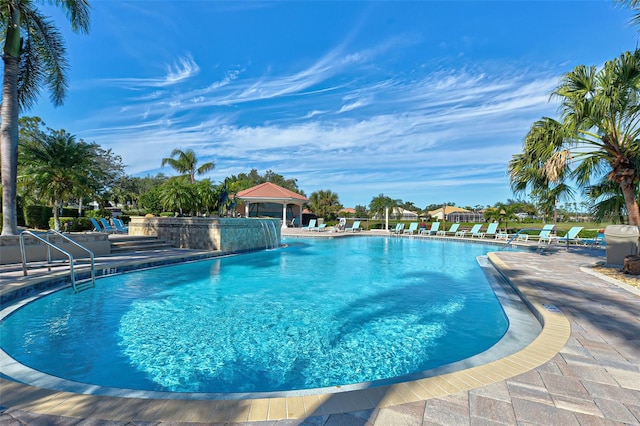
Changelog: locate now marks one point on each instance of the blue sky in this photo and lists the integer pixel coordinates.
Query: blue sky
(421, 101)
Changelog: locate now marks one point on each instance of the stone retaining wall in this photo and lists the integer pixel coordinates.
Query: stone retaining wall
(228, 235)
(97, 242)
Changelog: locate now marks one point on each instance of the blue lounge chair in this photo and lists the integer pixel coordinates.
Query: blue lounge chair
(96, 225)
(311, 225)
(107, 226)
(598, 241)
(491, 230)
(570, 237)
(399, 228)
(354, 227)
(120, 226)
(543, 234)
(413, 227)
(475, 229)
(452, 230)
(435, 227)
(319, 228)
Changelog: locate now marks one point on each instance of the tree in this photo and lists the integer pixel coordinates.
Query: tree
(58, 168)
(361, 211)
(178, 194)
(245, 181)
(325, 203)
(598, 131)
(186, 163)
(379, 204)
(33, 55)
(608, 203)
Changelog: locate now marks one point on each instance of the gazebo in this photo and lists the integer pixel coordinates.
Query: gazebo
(271, 200)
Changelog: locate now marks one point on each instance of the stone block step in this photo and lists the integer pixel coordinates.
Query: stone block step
(139, 247)
(124, 243)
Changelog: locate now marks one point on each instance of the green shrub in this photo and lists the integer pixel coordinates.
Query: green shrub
(69, 212)
(134, 212)
(124, 218)
(167, 214)
(72, 224)
(37, 216)
(66, 223)
(97, 214)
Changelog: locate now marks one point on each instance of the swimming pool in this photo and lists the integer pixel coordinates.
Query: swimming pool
(315, 314)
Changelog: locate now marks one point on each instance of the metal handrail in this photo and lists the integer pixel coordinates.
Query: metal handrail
(91, 256)
(50, 245)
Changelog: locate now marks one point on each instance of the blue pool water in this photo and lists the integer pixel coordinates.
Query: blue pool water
(317, 313)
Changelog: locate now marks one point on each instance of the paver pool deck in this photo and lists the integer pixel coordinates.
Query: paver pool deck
(583, 369)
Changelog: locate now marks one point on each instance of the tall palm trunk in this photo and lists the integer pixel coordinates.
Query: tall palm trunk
(9, 128)
(625, 174)
(632, 203)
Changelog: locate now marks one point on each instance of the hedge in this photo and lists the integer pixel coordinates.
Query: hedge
(72, 224)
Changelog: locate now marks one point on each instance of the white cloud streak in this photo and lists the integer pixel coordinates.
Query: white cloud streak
(437, 129)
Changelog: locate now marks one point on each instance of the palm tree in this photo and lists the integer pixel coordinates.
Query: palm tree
(379, 204)
(186, 163)
(178, 194)
(57, 168)
(608, 203)
(33, 55)
(598, 132)
(325, 203)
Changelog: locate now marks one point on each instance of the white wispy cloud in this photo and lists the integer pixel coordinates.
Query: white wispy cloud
(434, 128)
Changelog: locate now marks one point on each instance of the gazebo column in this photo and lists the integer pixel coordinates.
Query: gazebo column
(246, 209)
(284, 214)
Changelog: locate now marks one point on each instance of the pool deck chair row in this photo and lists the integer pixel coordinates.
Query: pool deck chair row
(104, 226)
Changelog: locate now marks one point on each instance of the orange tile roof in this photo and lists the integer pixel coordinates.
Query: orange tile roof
(269, 190)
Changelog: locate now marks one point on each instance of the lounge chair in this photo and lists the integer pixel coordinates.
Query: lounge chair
(319, 228)
(120, 226)
(355, 226)
(475, 229)
(96, 225)
(452, 230)
(413, 227)
(598, 241)
(491, 230)
(399, 228)
(107, 226)
(435, 226)
(311, 225)
(543, 234)
(570, 237)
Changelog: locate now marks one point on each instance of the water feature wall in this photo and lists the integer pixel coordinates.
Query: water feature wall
(228, 235)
